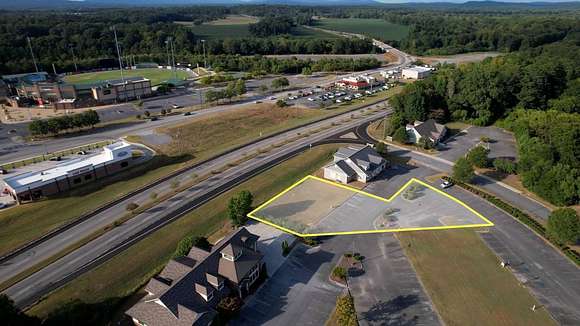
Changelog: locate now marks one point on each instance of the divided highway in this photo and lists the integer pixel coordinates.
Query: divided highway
(27, 291)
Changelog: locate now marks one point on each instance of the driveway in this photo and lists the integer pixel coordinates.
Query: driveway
(502, 143)
(389, 293)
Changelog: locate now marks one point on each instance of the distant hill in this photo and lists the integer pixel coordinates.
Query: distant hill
(511, 4)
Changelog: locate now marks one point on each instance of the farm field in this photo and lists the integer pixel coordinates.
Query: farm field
(121, 276)
(234, 20)
(465, 282)
(156, 76)
(377, 28)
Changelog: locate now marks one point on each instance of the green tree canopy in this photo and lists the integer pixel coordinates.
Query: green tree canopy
(564, 226)
(239, 207)
(463, 170)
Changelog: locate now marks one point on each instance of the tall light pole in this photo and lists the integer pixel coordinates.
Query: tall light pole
(173, 58)
(167, 50)
(120, 62)
(32, 53)
(73, 56)
(204, 59)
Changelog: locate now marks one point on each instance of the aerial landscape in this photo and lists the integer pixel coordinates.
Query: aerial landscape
(266, 162)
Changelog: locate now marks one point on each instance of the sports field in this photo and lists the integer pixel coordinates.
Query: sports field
(377, 28)
(317, 207)
(156, 76)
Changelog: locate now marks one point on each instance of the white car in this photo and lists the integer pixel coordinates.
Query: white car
(330, 96)
(311, 99)
(272, 98)
(348, 98)
(446, 184)
(338, 101)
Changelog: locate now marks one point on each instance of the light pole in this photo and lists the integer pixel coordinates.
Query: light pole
(204, 58)
(73, 56)
(32, 53)
(173, 59)
(120, 62)
(167, 50)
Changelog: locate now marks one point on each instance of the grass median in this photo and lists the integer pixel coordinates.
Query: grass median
(465, 282)
(121, 276)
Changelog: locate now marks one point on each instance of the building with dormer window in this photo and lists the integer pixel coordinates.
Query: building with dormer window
(189, 288)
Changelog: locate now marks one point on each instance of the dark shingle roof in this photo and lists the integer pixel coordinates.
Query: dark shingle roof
(430, 129)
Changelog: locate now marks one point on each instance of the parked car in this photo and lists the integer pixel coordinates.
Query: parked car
(446, 184)
(55, 158)
(154, 118)
(272, 98)
(3, 205)
(348, 98)
(81, 153)
(175, 106)
(311, 99)
(257, 101)
(187, 113)
(338, 101)
(3, 171)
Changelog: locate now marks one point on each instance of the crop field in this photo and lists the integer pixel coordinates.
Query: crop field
(377, 28)
(156, 76)
(234, 20)
(221, 29)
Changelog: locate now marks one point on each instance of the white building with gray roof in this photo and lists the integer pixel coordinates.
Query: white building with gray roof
(355, 164)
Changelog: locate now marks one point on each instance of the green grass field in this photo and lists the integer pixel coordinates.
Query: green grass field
(377, 28)
(127, 272)
(465, 282)
(156, 76)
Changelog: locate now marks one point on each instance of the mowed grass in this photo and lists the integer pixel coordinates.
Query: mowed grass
(234, 20)
(377, 28)
(126, 273)
(467, 285)
(156, 75)
(198, 140)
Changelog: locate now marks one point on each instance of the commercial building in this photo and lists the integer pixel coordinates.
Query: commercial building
(358, 82)
(46, 93)
(416, 72)
(428, 129)
(119, 90)
(355, 163)
(189, 288)
(69, 174)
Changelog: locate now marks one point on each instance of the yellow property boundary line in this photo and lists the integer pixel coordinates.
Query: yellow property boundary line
(387, 200)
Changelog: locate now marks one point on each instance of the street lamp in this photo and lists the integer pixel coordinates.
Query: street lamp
(204, 58)
(32, 53)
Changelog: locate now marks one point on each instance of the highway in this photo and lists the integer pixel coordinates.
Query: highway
(32, 288)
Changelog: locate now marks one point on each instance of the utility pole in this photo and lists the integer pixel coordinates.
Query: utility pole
(167, 50)
(73, 56)
(32, 53)
(204, 58)
(173, 59)
(120, 62)
(54, 69)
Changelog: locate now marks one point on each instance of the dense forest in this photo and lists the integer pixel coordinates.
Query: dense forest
(58, 36)
(535, 93)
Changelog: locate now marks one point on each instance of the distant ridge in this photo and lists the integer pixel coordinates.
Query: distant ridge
(64, 4)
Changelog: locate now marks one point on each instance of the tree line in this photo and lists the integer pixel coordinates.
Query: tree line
(56, 125)
(233, 89)
(534, 93)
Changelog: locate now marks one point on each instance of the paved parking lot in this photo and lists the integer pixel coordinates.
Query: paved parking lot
(318, 97)
(502, 143)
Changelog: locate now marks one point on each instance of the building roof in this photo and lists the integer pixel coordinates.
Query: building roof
(418, 69)
(430, 129)
(181, 302)
(365, 158)
(34, 179)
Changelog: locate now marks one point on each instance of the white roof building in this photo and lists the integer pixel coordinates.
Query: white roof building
(35, 179)
(416, 72)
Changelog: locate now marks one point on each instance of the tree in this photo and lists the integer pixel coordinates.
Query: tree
(131, 207)
(239, 207)
(147, 114)
(401, 136)
(281, 104)
(463, 170)
(280, 82)
(477, 156)
(425, 143)
(12, 315)
(263, 89)
(564, 226)
(345, 311)
(185, 245)
(504, 165)
(240, 87)
(381, 148)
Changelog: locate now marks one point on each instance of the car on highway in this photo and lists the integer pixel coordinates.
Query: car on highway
(81, 153)
(55, 158)
(175, 106)
(187, 113)
(257, 102)
(446, 184)
(3, 171)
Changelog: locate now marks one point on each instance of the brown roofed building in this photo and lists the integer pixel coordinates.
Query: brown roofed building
(187, 291)
(428, 129)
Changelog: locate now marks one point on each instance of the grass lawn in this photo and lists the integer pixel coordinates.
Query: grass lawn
(234, 20)
(377, 28)
(155, 75)
(124, 274)
(465, 282)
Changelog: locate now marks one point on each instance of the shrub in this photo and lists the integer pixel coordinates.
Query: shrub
(463, 170)
(504, 165)
(564, 226)
(478, 156)
(339, 273)
(401, 136)
(281, 104)
(230, 305)
(381, 148)
(185, 245)
(345, 311)
(131, 207)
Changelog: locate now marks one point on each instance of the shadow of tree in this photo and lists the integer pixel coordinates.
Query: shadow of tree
(390, 312)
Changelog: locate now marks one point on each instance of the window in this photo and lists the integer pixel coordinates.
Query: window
(124, 164)
(77, 181)
(88, 177)
(107, 92)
